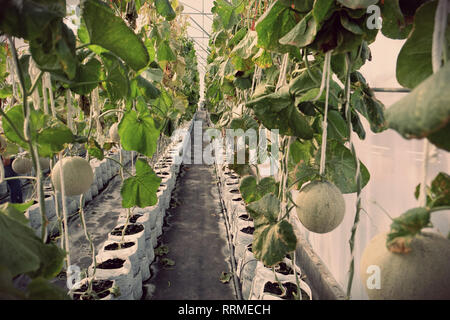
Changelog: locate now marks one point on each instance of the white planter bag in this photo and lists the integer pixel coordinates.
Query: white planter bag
(94, 189)
(235, 219)
(264, 275)
(84, 281)
(271, 296)
(138, 237)
(154, 237)
(123, 277)
(149, 250)
(33, 215)
(246, 272)
(131, 253)
(137, 289)
(145, 268)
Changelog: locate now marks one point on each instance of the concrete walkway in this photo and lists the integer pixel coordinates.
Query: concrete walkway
(195, 235)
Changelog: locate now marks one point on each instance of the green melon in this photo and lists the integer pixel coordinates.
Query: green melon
(114, 133)
(320, 206)
(78, 176)
(22, 165)
(423, 273)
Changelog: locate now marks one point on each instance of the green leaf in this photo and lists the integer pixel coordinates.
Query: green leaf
(165, 52)
(153, 74)
(117, 83)
(94, 149)
(16, 211)
(394, 22)
(138, 132)
(405, 227)
(49, 135)
(163, 104)
(88, 72)
(438, 194)
(142, 87)
(273, 25)
(226, 14)
(337, 126)
(6, 92)
(54, 50)
(110, 32)
(303, 34)
(164, 8)
(425, 110)
(7, 289)
(140, 190)
(252, 191)
(357, 4)
(225, 277)
(41, 289)
(273, 239)
(340, 167)
(25, 252)
(278, 111)
(414, 59)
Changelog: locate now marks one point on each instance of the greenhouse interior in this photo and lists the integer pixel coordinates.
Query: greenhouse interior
(225, 150)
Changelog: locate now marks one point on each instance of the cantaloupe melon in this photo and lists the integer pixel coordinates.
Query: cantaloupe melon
(114, 133)
(78, 176)
(422, 273)
(320, 206)
(22, 165)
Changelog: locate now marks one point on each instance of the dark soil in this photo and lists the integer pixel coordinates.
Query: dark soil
(134, 218)
(98, 286)
(115, 246)
(250, 247)
(248, 230)
(245, 217)
(235, 191)
(291, 289)
(111, 264)
(131, 229)
(232, 183)
(237, 199)
(284, 269)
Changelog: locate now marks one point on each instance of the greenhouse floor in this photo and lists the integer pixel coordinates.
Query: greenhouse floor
(195, 235)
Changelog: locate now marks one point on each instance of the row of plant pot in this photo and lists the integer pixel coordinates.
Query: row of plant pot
(104, 171)
(257, 281)
(124, 259)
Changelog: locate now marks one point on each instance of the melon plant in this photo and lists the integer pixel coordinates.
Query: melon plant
(114, 133)
(421, 273)
(77, 173)
(22, 165)
(320, 206)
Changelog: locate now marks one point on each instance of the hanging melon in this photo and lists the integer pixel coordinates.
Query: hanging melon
(320, 206)
(22, 165)
(78, 176)
(421, 273)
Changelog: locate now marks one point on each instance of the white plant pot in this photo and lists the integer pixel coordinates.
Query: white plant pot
(77, 286)
(131, 253)
(94, 189)
(33, 215)
(123, 277)
(238, 226)
(138, 237)
(149, 250)
(154, 237)
(264, 275)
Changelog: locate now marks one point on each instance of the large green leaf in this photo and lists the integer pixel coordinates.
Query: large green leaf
(340, 167)
(142, 87)
(138, 132)
(49, 135)
(117, 83)
(273, 239)
(438, 194)
(27, 19)
(110, 32)
(54, 49)
(303, 34)
(425, 111)
(414, 60)
(277, 111)
(140, 190)
(165, 52)
(23, 252)
(41, 289)
(88, 72)
(164, 8)
(395, 25)
(252, 190)
(274, 24)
